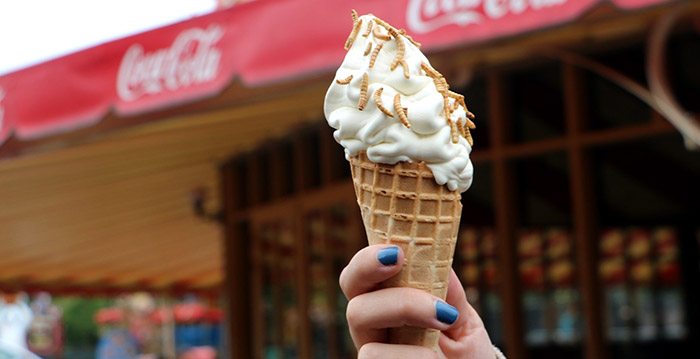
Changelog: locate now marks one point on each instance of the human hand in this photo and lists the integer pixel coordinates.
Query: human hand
(371, 311)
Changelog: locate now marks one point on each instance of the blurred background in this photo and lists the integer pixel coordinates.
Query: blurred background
(169, 187)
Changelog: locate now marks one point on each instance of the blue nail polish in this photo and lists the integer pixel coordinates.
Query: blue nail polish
(446, 313)
(388, 256)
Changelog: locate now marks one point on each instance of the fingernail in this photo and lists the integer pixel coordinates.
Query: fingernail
(445, 312)
(388, 256)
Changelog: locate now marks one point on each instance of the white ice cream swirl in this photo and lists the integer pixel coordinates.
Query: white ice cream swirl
(430, 138)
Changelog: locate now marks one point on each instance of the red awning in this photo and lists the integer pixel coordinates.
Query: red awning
(257, 42)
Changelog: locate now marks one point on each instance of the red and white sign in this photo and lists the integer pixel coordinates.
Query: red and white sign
(258, 42)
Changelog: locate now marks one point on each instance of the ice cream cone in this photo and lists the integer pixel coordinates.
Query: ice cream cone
(402, 204)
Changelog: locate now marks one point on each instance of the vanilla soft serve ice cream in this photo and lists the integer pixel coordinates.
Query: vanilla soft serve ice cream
(388, 101)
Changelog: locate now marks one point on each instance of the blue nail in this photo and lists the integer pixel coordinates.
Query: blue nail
(388, 256)
(445, 312)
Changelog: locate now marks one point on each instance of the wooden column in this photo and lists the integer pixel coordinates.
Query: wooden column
(301, 250)
(506, 219)
(326, 166)
(331, 279)
(236, 266)
(584, 217)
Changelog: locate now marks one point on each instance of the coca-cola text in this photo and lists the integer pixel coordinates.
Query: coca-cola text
(193, 58)
(428, 15)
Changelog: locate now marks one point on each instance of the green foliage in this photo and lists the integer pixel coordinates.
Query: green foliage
(80, 329)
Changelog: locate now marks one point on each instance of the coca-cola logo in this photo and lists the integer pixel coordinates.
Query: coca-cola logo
(428, 15)
(193, 58)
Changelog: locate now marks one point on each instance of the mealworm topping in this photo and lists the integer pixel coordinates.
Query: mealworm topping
(470, 140)
(403, 32)
(382, 23)
(363, 92)
(460, 127)
(369, 28)
(447, 109)
(429, 71)
(454, 132)
(353, 13)
(455, 96)
(378, 34)
(344, 81)
(368, 49)
(400, 49)
(401, 111)
(438, 132)
(353, 35)
(460, 100)
(404, 64)
(378, 101)
(441, 85)
(375, 53)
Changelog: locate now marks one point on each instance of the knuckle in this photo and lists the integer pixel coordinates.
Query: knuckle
(429, 354)
(405, 303)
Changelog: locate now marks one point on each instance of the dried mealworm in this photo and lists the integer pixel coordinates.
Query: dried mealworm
(442, 85)
(344, 81)
(454, 132)
(378, 101)
(470, 124)
(368, 49)
(431, 72)
(455, 95)
(403, 32)
(375, 53)
(353, 34)
(378, 35)
(461, 128)
(470, 140)
(400, 49)
(400, 111)
(354, 16)
(382, 22)
(469, 114)
(447, 108)
(404, 64)
(369, 29)
(363, 92)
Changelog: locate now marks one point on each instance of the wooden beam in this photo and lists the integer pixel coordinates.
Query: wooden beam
(584, 218)
(506, 219)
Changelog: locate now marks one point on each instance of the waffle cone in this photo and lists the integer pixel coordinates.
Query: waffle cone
(401, 204)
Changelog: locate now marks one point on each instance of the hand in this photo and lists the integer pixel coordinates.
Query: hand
(371, 311)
